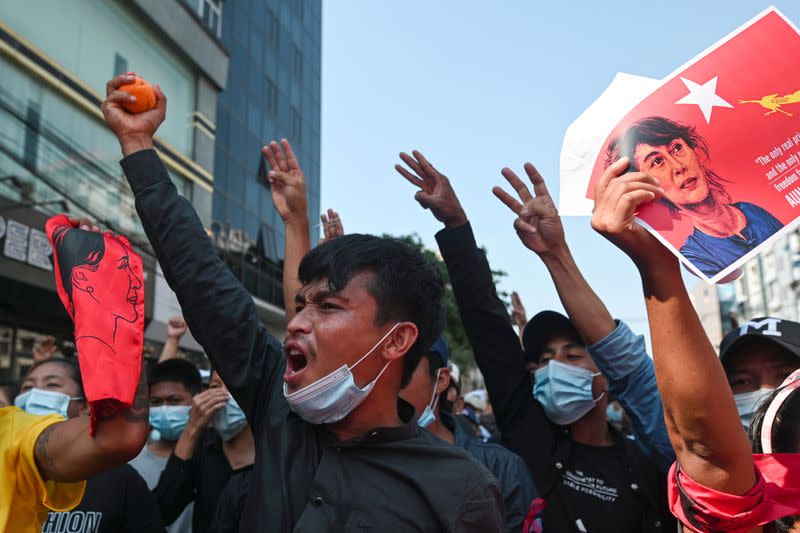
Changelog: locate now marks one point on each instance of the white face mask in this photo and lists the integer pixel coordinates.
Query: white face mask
(333, 397)
(429, 413)
(747, 403)
(565, 391)
(44, 402)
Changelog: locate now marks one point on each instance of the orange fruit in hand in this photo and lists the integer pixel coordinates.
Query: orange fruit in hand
(144, 93)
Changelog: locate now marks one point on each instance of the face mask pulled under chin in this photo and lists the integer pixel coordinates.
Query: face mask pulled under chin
(334, 396)
(429, 414)
(44, 402)
(565, 391)
(747, 403)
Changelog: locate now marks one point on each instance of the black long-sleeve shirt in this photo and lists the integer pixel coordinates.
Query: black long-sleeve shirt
(614, 488)
(199, 479)
(391, 479)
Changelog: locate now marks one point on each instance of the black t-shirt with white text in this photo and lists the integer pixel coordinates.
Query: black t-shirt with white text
(596, 494)
(117, 501)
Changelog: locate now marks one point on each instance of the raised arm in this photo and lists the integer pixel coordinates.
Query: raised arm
(701, 416)
(219, 311)
(176, 328)
(618, 353)
(495, 343)
(66, 451)
(288, 186)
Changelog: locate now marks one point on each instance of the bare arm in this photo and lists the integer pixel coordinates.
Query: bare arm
(288, 187)
(176, 328)
(518, 315)
(66, 451)
(539, 228)
(701, 417)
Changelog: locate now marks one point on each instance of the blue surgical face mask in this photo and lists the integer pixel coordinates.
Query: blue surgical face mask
(44, 402)
(429, 413)
(229, 420)
(169, 420)
(747, 403)
(614, 415)
(333, 397)
(564, 391)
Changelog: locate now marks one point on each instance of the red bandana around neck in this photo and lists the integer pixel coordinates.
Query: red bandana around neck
(100, 282)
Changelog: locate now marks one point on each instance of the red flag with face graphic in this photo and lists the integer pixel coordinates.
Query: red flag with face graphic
(99, 280)
(722, 136)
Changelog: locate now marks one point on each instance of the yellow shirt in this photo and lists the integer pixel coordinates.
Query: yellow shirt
(25, 498)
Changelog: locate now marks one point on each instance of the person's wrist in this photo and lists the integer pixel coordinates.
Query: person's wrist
(131, 144)
(297, 220)
(193, 429)
(558, 255)
(456, 220)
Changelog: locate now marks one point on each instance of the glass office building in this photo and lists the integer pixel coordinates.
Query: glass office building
(57, 154)
(272, 91)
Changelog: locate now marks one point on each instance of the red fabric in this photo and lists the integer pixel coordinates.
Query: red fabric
(533, 520)
(775, 495)
(99, 280)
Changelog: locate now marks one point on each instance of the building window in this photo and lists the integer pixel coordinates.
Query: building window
(210, 12)
(271, 97)
(273, 30)
(297, 62)
(31, 146)
(298, 8)
(120, 65)
(297, 126)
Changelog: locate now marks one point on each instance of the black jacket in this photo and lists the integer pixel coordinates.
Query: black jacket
(391, 479)
(524, 426)
(509, 469)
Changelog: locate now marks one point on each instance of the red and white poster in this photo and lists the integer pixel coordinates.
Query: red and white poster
(722, 135)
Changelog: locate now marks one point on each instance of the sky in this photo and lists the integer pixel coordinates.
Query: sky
(477, 86)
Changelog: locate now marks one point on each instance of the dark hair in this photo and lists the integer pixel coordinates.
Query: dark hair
(660, 131)
(71, 366)
(77, 248)
(434, 363)
(405, 285)
(10, 389)
(179, 371)
(785, 435)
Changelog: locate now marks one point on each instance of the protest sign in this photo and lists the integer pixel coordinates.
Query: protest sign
(585, 137)
(722, 135)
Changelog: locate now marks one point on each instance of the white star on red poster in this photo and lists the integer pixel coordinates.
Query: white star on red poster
(705, 96)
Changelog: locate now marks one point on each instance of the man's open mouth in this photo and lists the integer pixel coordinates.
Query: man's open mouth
(296, 361)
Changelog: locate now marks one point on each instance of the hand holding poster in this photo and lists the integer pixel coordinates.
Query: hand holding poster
(722, 136)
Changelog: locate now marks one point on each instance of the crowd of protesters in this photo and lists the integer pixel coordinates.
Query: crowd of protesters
(357, 420)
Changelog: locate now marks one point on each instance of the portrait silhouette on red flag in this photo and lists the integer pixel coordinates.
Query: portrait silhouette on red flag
(722, 136)
(99, 280)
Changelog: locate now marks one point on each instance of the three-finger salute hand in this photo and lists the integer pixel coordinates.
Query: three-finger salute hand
(286, 181)
(538, 225)
(331, 226)
(435, 192)
(135, 131)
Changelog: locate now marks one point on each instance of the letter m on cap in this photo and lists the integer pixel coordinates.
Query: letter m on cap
(771, 325)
